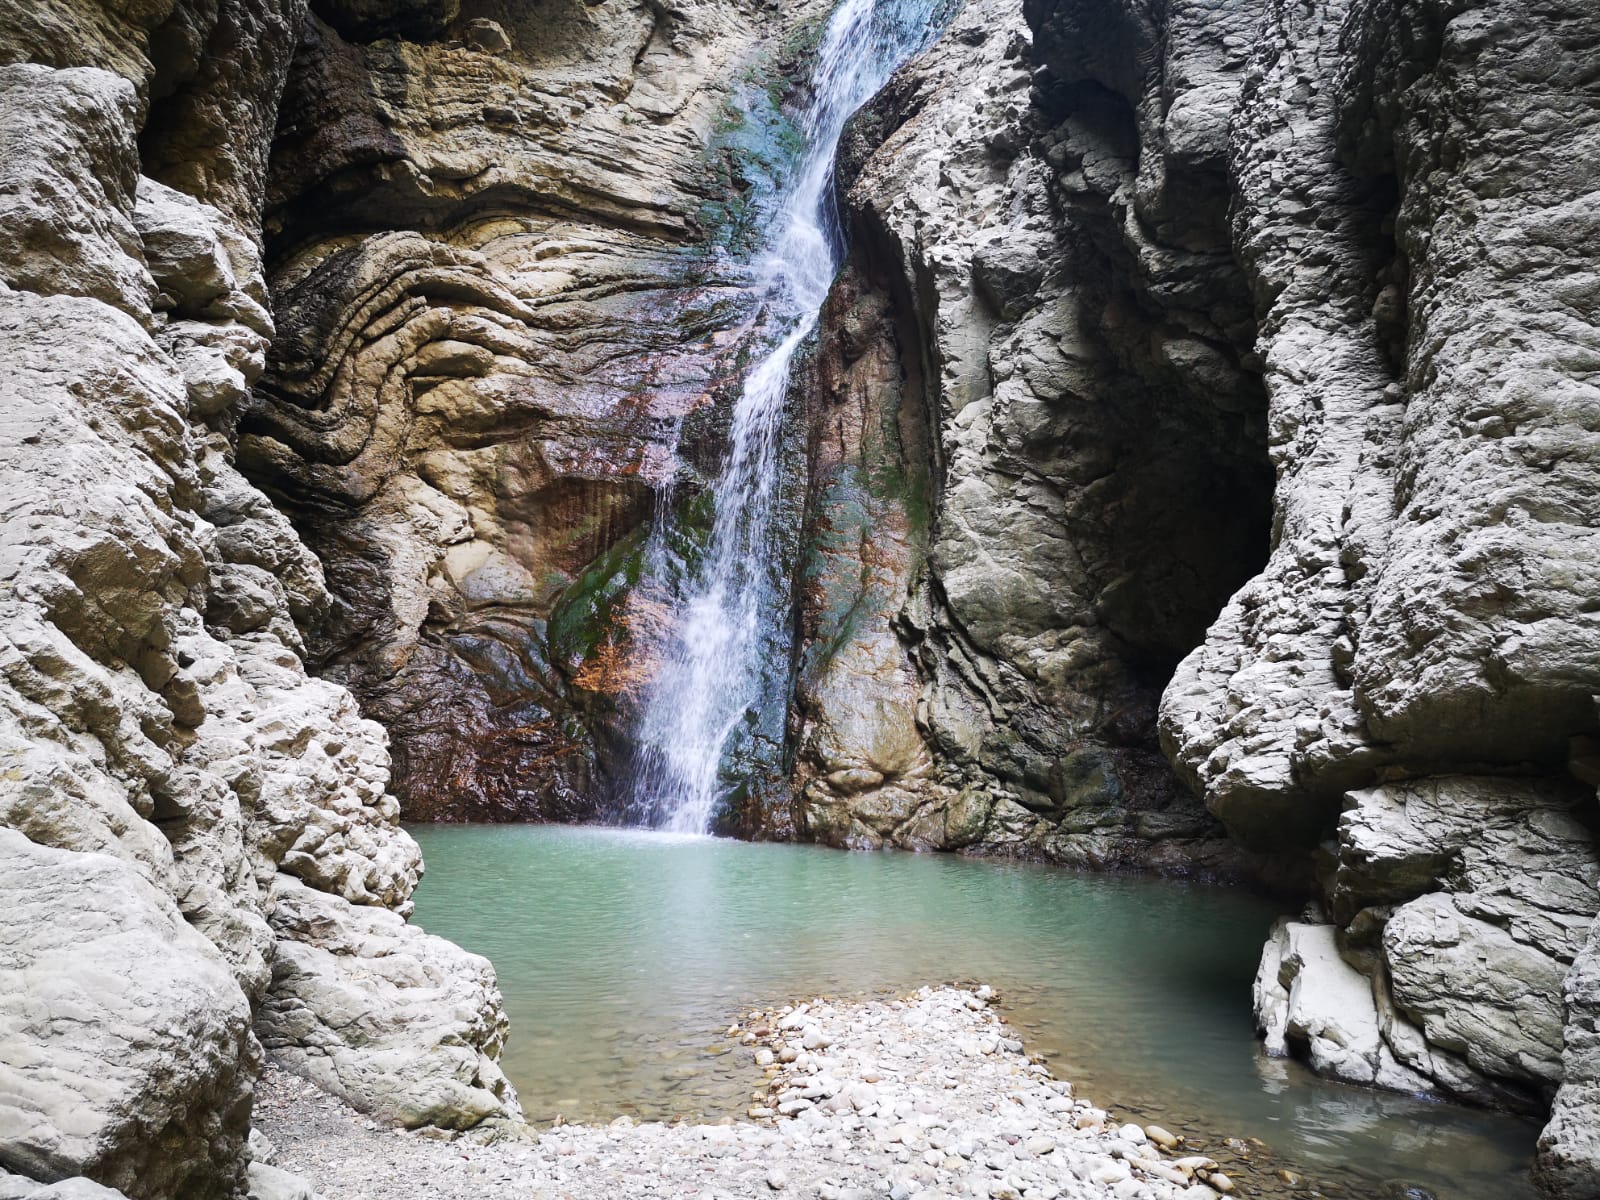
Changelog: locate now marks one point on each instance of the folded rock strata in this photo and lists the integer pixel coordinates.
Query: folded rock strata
(1209, 389)
(510, 275)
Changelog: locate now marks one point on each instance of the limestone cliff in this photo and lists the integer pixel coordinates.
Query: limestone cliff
(1241, 358)
(1195, 470)
(1075, 479)
(191, 826)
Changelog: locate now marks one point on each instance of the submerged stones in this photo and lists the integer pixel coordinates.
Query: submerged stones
(891, 1106)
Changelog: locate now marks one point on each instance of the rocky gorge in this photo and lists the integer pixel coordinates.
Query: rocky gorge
(1193, 470)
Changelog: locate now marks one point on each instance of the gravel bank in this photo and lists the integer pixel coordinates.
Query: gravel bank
(923, 1097)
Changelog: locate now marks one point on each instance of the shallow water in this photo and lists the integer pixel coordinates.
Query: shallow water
(624, 955)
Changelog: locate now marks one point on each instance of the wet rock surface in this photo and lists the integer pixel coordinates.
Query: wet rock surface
(513, 308)
(1210, 385)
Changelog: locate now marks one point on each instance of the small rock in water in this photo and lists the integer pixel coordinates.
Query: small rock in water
(1221, 1182)
(765, 1057)
(1161, 1137)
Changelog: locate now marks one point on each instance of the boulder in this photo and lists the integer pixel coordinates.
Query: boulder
(1568, 1163)
(1310, 1000)
(273, 1183)
(396, 1022)
(125, 1046)
(17, 1187)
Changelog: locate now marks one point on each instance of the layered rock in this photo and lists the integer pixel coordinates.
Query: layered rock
(1056, 483)
(1210, 239)
(1407, 686)
(1209, 384)
(169, 764)
(508, 268)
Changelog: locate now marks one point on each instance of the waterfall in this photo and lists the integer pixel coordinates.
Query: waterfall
(710, 669)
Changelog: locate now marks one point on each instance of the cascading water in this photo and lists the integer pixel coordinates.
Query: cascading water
(710, 670)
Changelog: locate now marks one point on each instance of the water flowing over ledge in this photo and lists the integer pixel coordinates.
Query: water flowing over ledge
(711, 664)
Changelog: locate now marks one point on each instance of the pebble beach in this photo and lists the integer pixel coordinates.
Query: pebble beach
(926, 1096)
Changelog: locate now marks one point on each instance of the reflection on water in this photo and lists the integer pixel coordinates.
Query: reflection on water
(623, 955)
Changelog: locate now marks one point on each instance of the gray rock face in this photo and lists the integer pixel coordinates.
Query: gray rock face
(1569, 1147)
(1393, 182)
(394, 1020)
(1243, 228)
(1471, 898)
(125, 1045)
(168, 763)
(1086, 501)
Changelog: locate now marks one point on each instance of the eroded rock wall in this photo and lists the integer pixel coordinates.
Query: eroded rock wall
(1388, 686)
(1210, 389)
(1255, 341)
(1073, 476)
(169, 766)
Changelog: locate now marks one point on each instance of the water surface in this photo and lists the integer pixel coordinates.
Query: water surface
(623, 956)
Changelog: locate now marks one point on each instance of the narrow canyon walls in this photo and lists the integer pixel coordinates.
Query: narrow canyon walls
(1195, 470)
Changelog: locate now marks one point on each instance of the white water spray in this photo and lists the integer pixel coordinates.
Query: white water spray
(711, 671)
